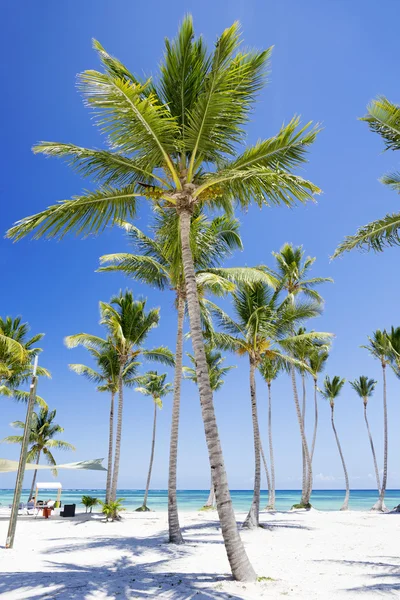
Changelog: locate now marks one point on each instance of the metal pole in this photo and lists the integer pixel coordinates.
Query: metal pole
(22, 459)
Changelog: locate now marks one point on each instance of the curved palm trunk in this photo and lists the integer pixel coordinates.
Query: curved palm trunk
(153, 443)
(118, 437)
(271, 450)
(380, 504)
(315, 420)
(211, 497)
(34, 476)
(346, 477)
(267, 475)
(238, 560)
(306, 493)
(253, 518)
(175, 534)
(378, 482)
(110, 449)
(303, 416)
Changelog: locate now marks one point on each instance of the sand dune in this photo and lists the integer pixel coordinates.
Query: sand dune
(315, 555)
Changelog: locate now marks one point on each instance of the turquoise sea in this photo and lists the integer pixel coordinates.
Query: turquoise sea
(190, 500)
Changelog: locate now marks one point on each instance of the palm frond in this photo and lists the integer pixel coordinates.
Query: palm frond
(142, 268)
(161, 354)
(374, 236)
(89, 213)
(383, 117)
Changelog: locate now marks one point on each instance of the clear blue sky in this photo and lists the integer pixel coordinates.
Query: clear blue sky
(329, 60)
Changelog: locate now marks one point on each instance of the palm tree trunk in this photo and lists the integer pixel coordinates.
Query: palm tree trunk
(34, 477)
(118, 437)
(303, 416)
(110, 449)
(306, 494)
(346, 477)
(211, 497)
(175, 534)
(253, 518)
(271, 449)
(315, 419)
(267, 475)
(378, 482)
(238, 559)
(153, 443)
(380, 504)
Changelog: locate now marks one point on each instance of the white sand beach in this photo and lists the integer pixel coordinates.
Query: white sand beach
(304, 555)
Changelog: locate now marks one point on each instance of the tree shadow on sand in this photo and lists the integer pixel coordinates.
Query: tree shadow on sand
(120, 579)
(379, 573)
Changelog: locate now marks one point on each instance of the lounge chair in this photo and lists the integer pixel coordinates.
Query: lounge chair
(69, 510)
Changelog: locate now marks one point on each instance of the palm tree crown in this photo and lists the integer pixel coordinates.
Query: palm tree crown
(152, 384)
(165, 134)
(364, 387)
(332, 388)
(41, 438)
(216, 371)
(383, 117)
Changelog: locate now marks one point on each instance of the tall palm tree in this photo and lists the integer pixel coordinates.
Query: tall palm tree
(379, 347)
(175, 141)
(270, 369)
(316, 360)
(292, 270)
(365, 387)
(216, 372)
(152, 384)
(332, 389)
(262, 328)
(16, 353)
(159, 264)
(106, 377)
(383, 117)
(41, 439)
(128, 325)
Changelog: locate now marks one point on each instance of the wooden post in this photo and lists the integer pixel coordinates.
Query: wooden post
(22, 459)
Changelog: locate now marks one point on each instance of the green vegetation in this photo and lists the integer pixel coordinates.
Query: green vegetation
(111, 510)
(89, 502)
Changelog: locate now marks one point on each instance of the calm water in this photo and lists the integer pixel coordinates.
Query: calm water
(194, 499)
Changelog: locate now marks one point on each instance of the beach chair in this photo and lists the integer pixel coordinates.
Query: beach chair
(69, 510)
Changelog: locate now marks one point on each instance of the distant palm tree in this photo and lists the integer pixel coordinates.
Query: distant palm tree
(292, 271)
(365, 387)
(176, 141)
(270, 369)
(216, 373)
(316, 360)
(383, 117)
(152, 384)
(263, 328)
(106, 378)
(128, 325)
(43, 430)
(16, 353)
(159, 264)
(379, 347)
(331, 391)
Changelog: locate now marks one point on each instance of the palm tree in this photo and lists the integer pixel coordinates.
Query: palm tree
(16, 353)
(152, 384)
(292, 271)
(270, 369)
(383, 117)
(43, 430)
(316, 360)
(160, 264)
(128, 325)
(106, 378)
(175, 141)
(263, 327)
(331, 391)
(365, 387)
(379, 347)
(216, 372)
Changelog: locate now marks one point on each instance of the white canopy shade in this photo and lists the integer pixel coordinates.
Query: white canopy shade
(7, 466)
(48, 486)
